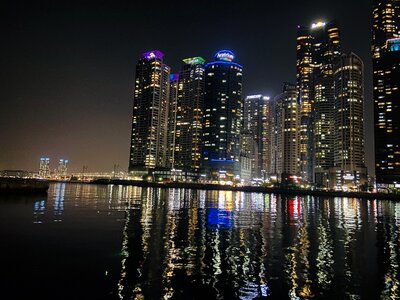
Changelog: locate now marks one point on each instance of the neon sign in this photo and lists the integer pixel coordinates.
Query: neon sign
(224, 55)
(222, 160)
(194, 60)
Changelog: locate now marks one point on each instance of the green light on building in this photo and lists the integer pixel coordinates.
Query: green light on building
(194, 60)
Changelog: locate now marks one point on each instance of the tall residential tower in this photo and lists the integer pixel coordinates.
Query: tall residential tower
(150, 113)
(349, 169)
(257, 122)
(285, 140)
(386, 78)
(318, 46)
(222, 117)
(62, 167)
(44, 167)
(186, 115)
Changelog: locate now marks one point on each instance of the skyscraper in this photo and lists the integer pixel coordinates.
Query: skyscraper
(318, 47)
(349, 169)
(150, 113)
(187, 101)
(62, 168)
(222, 116)
(386, 78)
(285, 134)
(257, 122)
(44, 167)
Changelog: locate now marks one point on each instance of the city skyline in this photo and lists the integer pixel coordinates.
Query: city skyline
(210, 150)
(87, 121)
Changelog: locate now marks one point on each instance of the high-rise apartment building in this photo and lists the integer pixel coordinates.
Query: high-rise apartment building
(150, 113)
(386, 80)
(285, 146)
(349, 169)
(62, 167)
(222, 117)
(44, 167)
(318, 46)
(257, 122)
(186, 114)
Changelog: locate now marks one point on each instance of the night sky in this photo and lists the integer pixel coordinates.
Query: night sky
(68, 67)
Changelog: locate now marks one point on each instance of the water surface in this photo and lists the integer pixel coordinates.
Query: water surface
(112, 242)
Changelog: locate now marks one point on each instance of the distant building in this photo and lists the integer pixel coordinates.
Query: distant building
(44, 167)
(150, 113)
(257, 122)
(222, 117)
(245, 170)
(17, 174)
(285, 144)
(248, 152)
(349, 169)
(62, 169)
(186, 115)
(386, 80)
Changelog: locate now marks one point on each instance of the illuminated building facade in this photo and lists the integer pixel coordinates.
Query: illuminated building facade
(150, 113)
(62, 167)
(257, 121)
(285, 136)
(386, 80)
(44, 167)
(187, 101)
(222, 116)
(248, 154)
(349, 169)
(318, 47)
(172, 114)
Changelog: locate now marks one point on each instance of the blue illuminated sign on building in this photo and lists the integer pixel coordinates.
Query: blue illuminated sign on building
(225, 55)
(222, 160)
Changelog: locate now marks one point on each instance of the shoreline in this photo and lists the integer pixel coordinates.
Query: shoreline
(250, 189)
(34, 185)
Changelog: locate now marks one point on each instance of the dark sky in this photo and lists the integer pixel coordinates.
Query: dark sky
(67, 67)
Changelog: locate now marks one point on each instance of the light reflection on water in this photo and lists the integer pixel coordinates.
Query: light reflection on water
(238, 245)
(190, 244)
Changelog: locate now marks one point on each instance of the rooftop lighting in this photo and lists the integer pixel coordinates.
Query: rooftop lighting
(318, 25)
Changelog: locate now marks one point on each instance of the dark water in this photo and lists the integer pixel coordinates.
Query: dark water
(114, 242)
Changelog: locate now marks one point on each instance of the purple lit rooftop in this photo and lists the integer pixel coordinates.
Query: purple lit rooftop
(153, 54)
